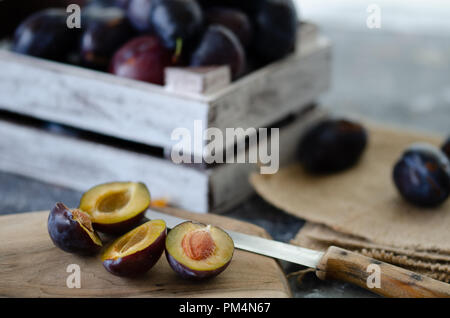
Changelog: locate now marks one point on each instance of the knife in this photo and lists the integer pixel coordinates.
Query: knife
(336, 263)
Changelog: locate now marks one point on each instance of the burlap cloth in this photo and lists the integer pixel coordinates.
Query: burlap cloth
(361, 210)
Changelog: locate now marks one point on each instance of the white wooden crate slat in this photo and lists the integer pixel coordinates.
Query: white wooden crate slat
(103, 103)
(147, 113)
(80, 164)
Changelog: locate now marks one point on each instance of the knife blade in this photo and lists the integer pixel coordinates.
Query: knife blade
(257, 245)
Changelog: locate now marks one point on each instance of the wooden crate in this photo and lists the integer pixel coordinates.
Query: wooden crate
(146, 113)
(122, 128)
(80, 163)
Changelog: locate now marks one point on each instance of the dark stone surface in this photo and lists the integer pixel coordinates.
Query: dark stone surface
(19, 194)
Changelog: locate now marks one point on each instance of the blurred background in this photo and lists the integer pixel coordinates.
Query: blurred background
(398, 73)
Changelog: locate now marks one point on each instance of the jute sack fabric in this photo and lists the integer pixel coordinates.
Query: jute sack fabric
(361, 207)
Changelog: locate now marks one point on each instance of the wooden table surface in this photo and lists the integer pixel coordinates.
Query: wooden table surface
(31, 266)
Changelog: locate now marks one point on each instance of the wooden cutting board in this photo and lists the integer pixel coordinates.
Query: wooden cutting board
(31, 266)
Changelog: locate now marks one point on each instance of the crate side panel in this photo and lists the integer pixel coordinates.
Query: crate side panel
(93, 101)
(79, 165)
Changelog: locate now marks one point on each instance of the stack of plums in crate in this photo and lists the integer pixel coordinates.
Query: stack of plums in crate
(138, 39)
(193, 250)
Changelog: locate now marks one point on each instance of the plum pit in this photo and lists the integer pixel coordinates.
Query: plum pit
(199, 244)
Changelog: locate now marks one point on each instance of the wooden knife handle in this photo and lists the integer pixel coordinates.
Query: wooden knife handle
(392, 281)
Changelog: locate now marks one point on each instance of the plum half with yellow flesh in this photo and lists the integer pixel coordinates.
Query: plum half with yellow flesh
(71, 231)
(136, 252)
(116, 208)
(198, 251)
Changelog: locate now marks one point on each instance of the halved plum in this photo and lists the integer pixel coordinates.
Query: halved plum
(136, 252)
(198, 251)
(71, 230)
(116, 208)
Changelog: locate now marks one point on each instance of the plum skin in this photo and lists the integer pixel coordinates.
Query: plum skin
(45, 34)
(107, 30)
(138, 263)
(143, 58)
(233, 19)
(332, 146)
(248, 6)
(67, 234)
(275, 30)
(220, 46)
(422, 176)
(138, 12)
(188, 273)
(122, 4)
(120, 227)
(446, 148)
(115, 227)
(176, 19)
